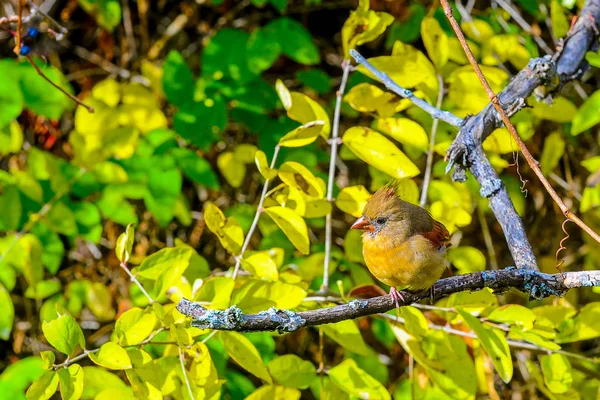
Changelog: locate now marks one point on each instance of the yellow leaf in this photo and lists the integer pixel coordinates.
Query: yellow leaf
(232, 169)
(435, 41)
(228, 230)
(243, 352)
(561, 110)
(302, 135)
(274, 392)
(286, 196)
(257, 295)
(261, 265)
(456, 52)
(363, 26)
(292, 224)
(317, 208)
(365, 97)
(297, 175)
(263, 166)
(352, 200)
(477, 30)
(108, 91)
(466, 90)
(502, 48)
(405, 131)
(244, 153)
(408, 191)
(303, 109)
(143, 117)
(560, 24)
(374, 149)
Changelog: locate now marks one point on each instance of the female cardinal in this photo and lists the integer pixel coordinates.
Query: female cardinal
(402, 244)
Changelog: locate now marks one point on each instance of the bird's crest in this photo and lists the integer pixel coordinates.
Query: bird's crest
(384, 201)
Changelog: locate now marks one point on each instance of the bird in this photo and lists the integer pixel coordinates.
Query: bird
(403, 245)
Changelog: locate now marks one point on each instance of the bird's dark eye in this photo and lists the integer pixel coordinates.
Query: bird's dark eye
(381, 220)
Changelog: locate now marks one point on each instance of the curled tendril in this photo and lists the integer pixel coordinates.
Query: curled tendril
(562, 247)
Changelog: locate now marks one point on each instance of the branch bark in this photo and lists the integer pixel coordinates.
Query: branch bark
(537, 284)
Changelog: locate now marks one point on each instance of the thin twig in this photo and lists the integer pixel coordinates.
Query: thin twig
(259, 211)
(184, 372)
(487, 238)
(346, 65)
(134, 279)
(405, 93)
(533, 164)
(431, 151)
(69, 95)
(523, 24)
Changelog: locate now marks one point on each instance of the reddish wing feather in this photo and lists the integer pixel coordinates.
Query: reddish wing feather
(439, 235)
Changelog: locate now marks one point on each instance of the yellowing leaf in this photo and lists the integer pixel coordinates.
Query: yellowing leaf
(352, 200)
(557, 372)
(257, 295)
(275, 392)
(302, 135)
(303, 109)
(71, 382)
(228, 230)
(467, 259)
(134, 325)
(43, 387)
(356, 382)
(415, 322)
(404, 130)
(561, 110)
(297, 175)
(560, 24)
(587, 115)
(466, 90)
(245, 354)
(64, 334)
(503, 48)
(292, 225)
(554, 148)
(317, 208)
(292, 371)
(495, 344)
(365, 97)
(261, 265)
(477, 30)
(287, 196)
(456, 52)
(125, 244)
(346, 334)
(108, 91)
(232, 169)
(435, 41)
(363, 26)
(374, 149)
(263, 166)
(111, 356)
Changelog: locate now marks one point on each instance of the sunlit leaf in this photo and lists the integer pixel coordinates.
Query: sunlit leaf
(435, 41)
(587, 115)
(44, 387)
(258, 295)
(228, 230)
(363, 26)
(467, 259)
(232, 169)
(302, 135)
(356, 382)
(64, 334)
(404, 130)
(245, 354)
(560, 24)
(297, 175)
(261, 265)
(111, 356)
(263, 166)
(365, 97)
(125, 244)
(561, 110)
(71, 382)
(269, 392)
(557, 372)
(292, 371)
(302, 108)
(134, 325)
(374, 149)
(352, 200)
(8, 313)
(292, 225)
(346, 334)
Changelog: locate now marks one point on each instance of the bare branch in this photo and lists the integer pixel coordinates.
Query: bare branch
(537, 284)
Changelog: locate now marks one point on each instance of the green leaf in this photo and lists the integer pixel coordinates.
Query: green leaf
(467, 259)
(106, 12)
(177, 79)
(124, 244)
(134, 325)
(11, 97)
(96, 380)
(346, 334)
(217, 291)
(435, 41)
(587, 115)
(557, 372)
(263, 50)
(195, 168)
(44, 387)
(39, 95)
(200, 122)
(561, 110)
(514, 314)
(111, 356)
(352, 200)
(292, 225)
(25, 256)
(294, 40)
(10, 200)
(363, 26)
(243, 352)
(554, 148)
(64, 334)
(292, 371)
(71, 382)
(560, 24)
(99, 300)
(585, 325)
(19, 375)
(11, 136)
(261, 265)
(374, 149)
(269, 392)
(226, 57)
(8, 313)
(156, 264)
(62, 220)
(315, 79)
(593, 58)
(43, 289)
(414, 321)
(356, 382)
(495, 344)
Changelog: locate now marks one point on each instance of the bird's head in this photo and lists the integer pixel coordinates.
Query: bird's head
(383, 208)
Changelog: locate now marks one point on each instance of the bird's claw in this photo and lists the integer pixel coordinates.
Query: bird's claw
(396, 295)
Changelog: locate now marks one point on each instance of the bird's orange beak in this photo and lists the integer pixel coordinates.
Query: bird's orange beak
(363, 224)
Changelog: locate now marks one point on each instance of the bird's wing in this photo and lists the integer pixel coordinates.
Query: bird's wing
(439, 235)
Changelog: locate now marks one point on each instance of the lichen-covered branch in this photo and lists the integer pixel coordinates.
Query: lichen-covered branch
(537, 284)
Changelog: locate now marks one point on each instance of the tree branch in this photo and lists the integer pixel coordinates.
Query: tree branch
(537, 284)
